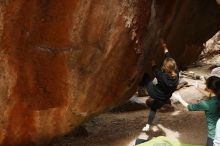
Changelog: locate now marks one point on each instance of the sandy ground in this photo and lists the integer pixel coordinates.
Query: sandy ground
(121, 129)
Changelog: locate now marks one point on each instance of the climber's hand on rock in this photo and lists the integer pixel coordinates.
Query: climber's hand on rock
(153, 62)
(163, 45)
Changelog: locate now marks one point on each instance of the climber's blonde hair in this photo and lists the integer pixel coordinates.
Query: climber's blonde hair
(169, 66)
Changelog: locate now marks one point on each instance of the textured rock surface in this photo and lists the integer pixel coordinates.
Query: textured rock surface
(63, 62)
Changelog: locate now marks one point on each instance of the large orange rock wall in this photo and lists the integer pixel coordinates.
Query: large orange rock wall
(63, 62)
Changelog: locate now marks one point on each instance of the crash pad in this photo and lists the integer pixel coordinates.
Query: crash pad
(164, 141)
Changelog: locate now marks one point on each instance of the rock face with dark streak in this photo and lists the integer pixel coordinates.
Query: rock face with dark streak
(63, 62)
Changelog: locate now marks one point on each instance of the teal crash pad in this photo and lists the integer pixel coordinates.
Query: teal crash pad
(164, 141)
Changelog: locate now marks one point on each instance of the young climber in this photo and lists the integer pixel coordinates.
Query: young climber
(211, 106)
(167, 80)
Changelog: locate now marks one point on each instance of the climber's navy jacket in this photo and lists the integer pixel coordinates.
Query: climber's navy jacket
(166, 84)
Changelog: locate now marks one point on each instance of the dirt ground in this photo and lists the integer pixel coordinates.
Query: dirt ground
(121, 129)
